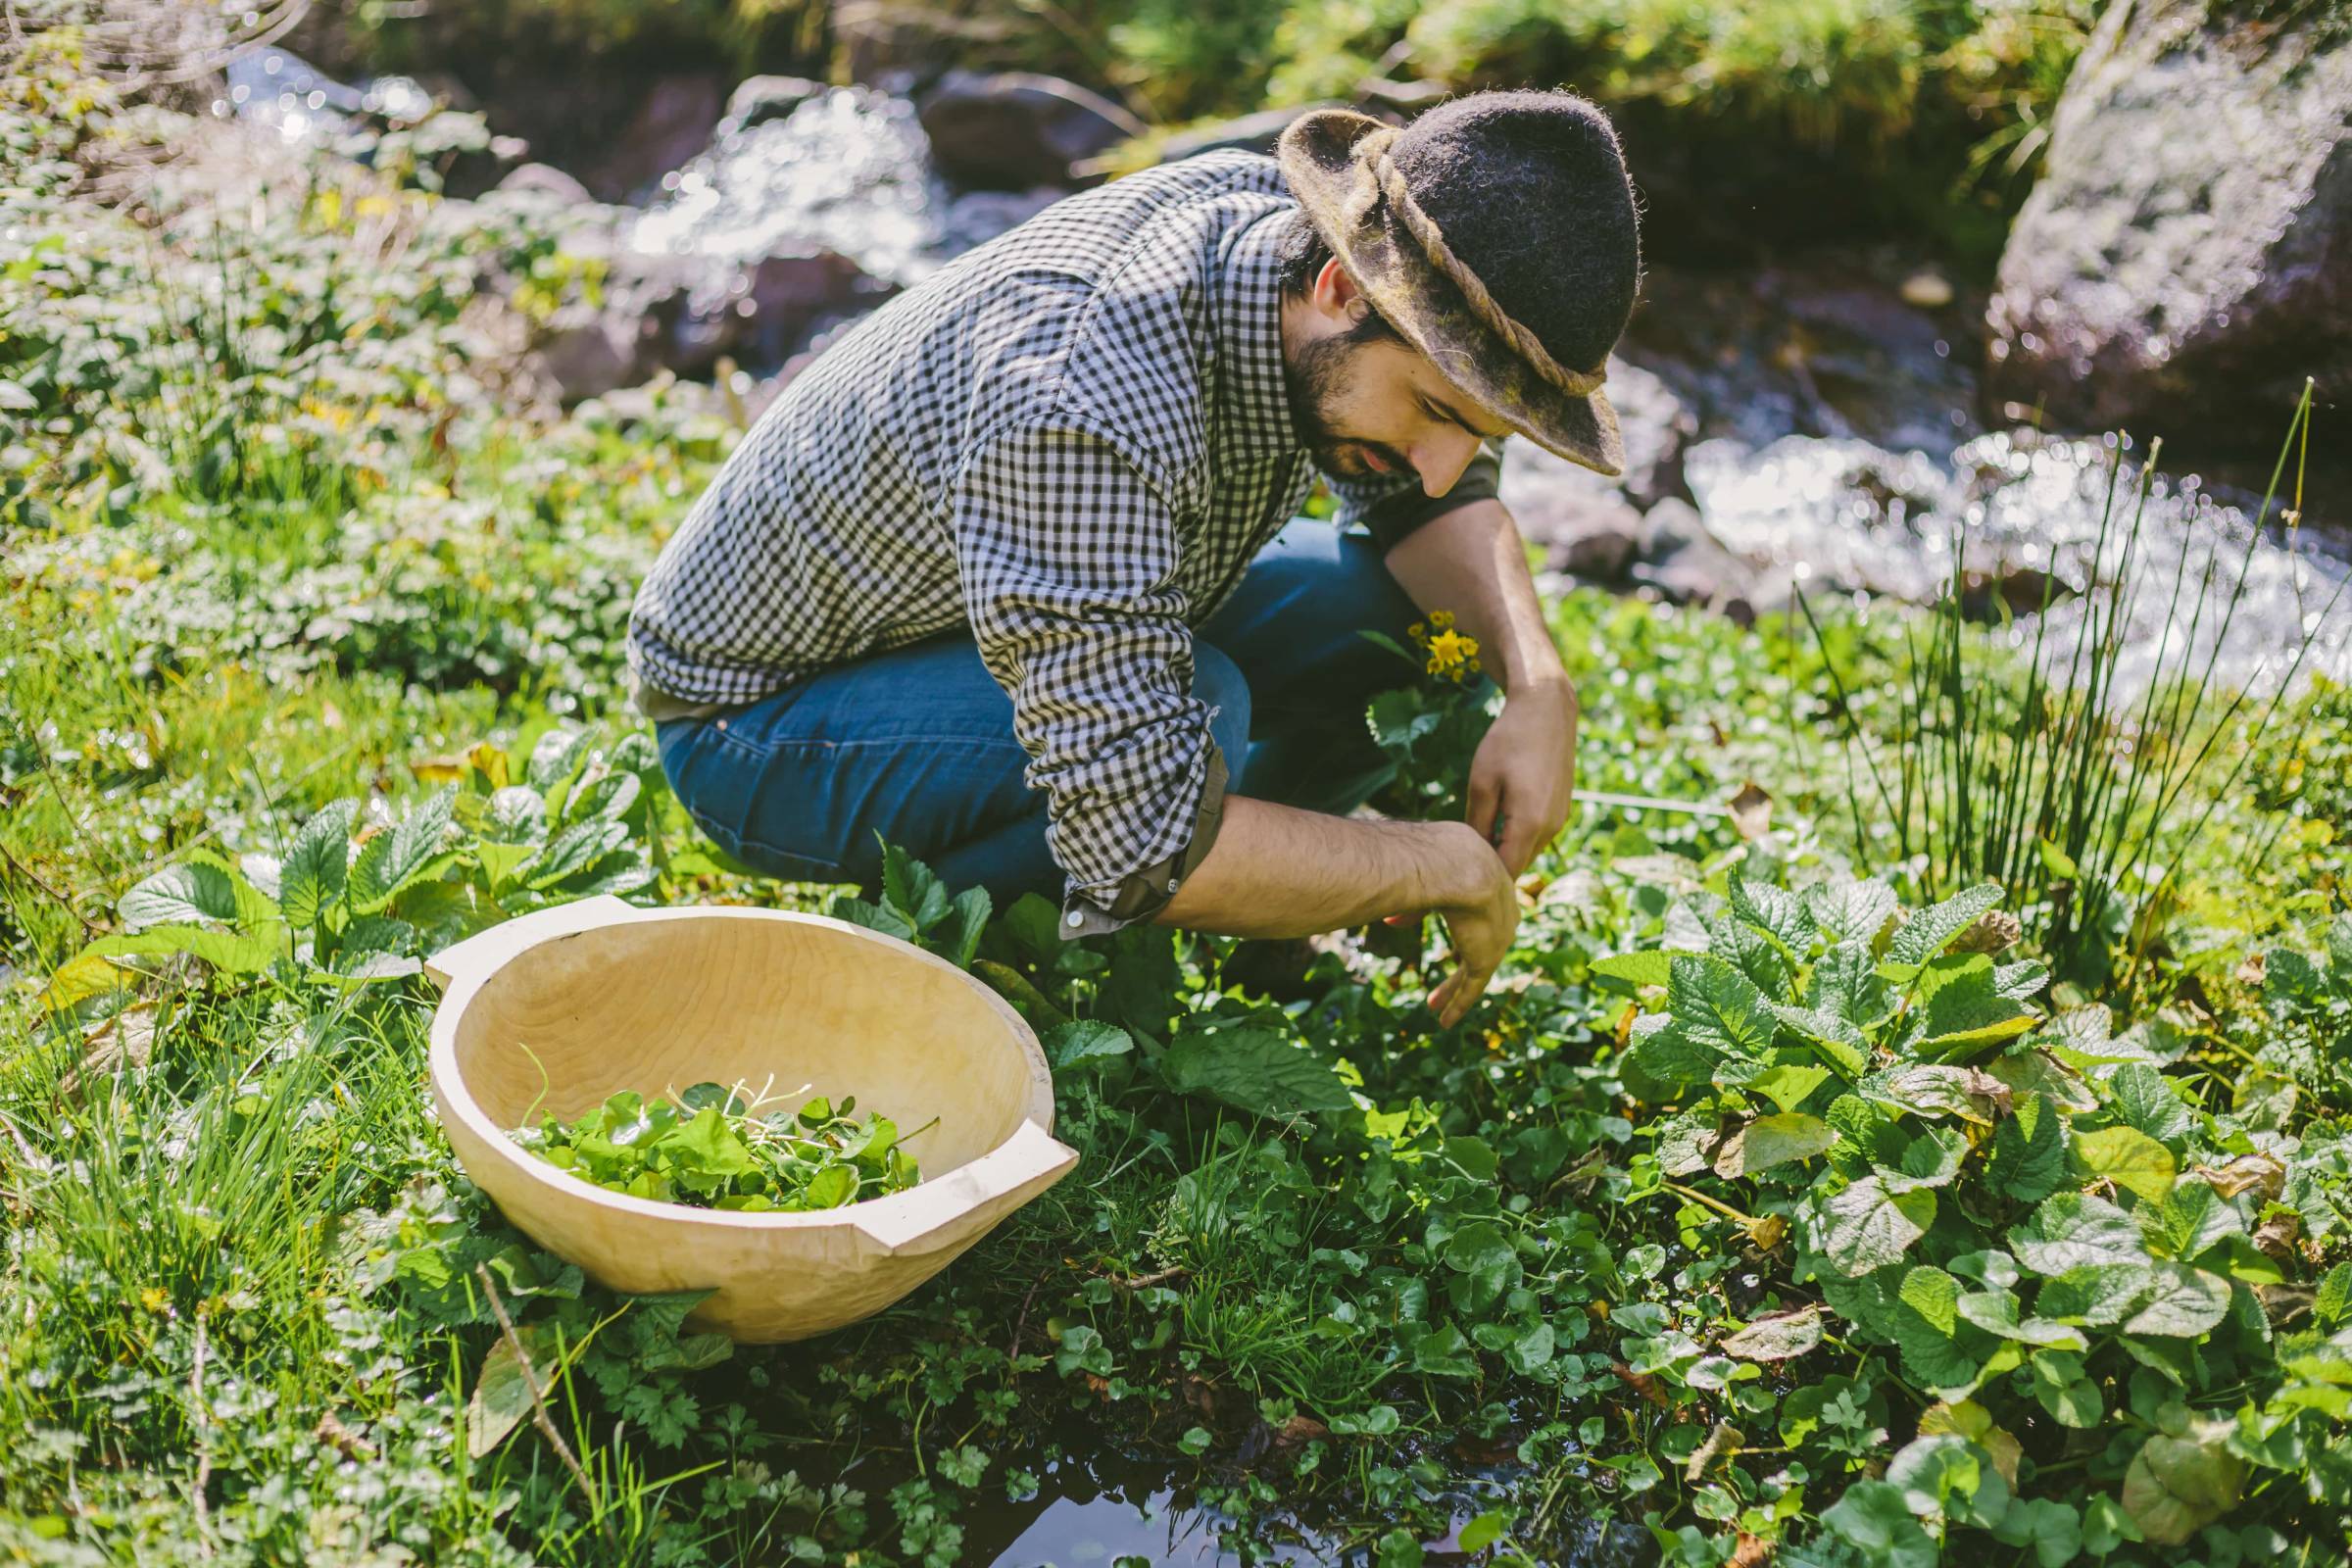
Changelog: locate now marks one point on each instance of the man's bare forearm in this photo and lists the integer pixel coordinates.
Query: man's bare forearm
(1472, 561)
(1278, 871)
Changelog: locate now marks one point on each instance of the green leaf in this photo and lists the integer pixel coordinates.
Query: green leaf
(1834, 1037)
(2192, 1219)
(2095, 1295)
(1252, 1069)
(1847, 984)
(1789, 1085)
(1651, 968)
(1872, 1518)
(193, 893)
(910, 887)
(1715, 1005)
(2061, 1389)
(874, 916)
(2177, 1485)
(1481, 1532)
(2027, 1162)
(1934, 1296)
(558, 754)
(574, 850)
(1995, 1312)
(2130, 1159)
(1771, 1141)
(958, 938)
(2184, 1302)
(1965, 1013)
(2145, 1098)
(1777, 912)
(2053, 1529)
(311, 878)
(1932, 1159)
(1665, 1058)
(2332, 1303)
(1851, 911)
(1086, 1040)
(229, 951)
(502, 1389)
(515, 814)
(1929, 932)
(2073, 1229)
(1867, 1227)
(1781, 1336)
(393, 859)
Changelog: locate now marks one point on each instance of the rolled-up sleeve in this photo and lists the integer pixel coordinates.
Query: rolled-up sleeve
(1395, 505)
(1069, 556)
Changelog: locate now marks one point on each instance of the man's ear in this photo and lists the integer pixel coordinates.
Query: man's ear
(1335, 293)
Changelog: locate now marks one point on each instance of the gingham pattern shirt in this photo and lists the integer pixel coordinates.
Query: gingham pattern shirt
(1072, 440)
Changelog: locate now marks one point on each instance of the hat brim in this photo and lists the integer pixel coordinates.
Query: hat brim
(1317, 158)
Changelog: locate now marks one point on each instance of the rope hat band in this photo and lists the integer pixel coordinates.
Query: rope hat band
(1378, 181)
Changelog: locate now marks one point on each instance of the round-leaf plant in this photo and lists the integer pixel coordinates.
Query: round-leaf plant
(711, 1148)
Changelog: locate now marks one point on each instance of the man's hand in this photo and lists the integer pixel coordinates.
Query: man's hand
(1479, 926)
(1523, 779)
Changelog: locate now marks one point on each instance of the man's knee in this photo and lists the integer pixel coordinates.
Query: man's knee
(1218, 682)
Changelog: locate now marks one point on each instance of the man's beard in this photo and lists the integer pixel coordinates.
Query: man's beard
(1316, 381)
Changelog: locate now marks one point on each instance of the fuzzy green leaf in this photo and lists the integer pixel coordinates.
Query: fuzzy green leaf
(1929, 932)
(393, 859)
(311, 878)
(2130, 1159)
(1715, 1005)
(2177, 1485)
(2027, 1162)
(1782, 1337)
(2184, 1302)
(2095, 1294)
(2074, 1228)
(192, 892)
(1867, 1227)
(1771, 1141)
(1252, 1069)
(1851, 911)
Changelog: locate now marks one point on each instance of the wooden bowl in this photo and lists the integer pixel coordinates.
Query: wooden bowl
(555, 1011)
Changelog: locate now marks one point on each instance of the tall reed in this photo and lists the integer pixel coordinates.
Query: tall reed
(2046, 777)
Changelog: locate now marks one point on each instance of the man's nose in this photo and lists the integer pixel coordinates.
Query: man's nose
(1440, 458)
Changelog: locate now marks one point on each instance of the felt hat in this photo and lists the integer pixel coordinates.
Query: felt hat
(1498, 233)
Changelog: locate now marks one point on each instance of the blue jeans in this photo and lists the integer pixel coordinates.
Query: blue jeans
(916, 744)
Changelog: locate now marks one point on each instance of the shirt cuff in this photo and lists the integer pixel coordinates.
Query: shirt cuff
(1392, 518)
(1145, 893)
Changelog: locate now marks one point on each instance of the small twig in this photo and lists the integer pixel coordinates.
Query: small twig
(545, 1422)
(1146, 1282)
(204, 1448)
(1013, 1358)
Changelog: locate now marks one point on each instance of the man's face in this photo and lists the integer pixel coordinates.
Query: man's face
(1371, 406)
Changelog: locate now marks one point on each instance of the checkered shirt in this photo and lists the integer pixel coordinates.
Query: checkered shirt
(1071, 440)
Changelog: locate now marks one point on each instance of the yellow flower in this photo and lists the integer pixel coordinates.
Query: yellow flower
(1442, 620)
(1452, 654)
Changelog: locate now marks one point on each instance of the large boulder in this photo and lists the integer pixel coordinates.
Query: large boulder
(2186, 259)
(1586, 523)
(1015, 129)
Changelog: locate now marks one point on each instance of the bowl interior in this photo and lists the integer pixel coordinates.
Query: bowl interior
(800, 1008)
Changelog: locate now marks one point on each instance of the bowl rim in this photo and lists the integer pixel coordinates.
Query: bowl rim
(919, 1205)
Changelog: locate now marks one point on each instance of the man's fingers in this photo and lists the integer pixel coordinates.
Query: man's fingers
(1486, 799)
(1462, 988)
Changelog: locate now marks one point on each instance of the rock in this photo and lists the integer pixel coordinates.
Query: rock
(757, 100)
(1015, 129)
(1257, 133)
(545, 183)
(1656, 427)
(1591, 525)
(1687, 565)
(674, 122)
(1582, 521)
(2186, 258)
(1405, 97)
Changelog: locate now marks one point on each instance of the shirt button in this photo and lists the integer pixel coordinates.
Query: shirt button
(1075, 918)
(1171, 884)
(723, 723)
